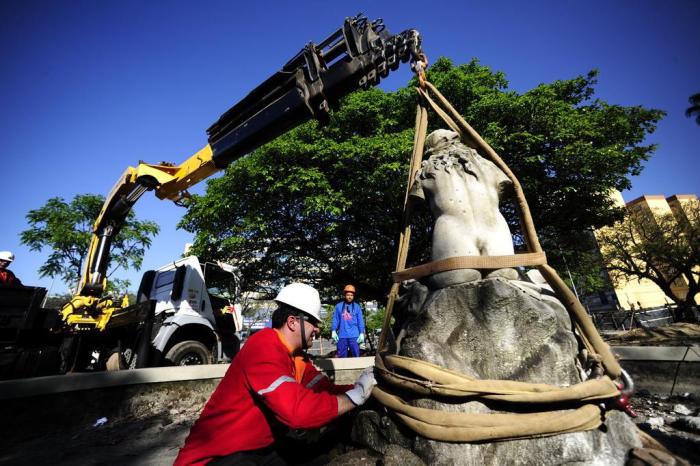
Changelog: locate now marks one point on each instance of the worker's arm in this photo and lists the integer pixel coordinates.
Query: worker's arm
(14, 280)
(344, 404)
(318, 382)
(336, 319)
(269, 376)
(360, 319)
(359, 391)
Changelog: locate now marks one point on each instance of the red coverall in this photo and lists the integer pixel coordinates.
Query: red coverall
(263, 375)
(8, 278)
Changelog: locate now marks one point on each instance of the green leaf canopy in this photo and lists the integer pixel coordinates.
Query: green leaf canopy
(66, 228)
(324, 204)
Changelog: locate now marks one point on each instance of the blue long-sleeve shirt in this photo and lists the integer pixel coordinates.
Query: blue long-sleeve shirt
(350, 324)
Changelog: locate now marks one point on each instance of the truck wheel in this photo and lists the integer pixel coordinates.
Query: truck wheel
(189, 353)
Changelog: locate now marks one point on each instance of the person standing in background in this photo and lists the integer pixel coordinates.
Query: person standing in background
(348, 325)
(6, 275)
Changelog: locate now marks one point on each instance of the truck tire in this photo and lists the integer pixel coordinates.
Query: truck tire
(189, 353)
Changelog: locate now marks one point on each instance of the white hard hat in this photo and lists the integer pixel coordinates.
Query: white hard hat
(6, 256)
(303, 297)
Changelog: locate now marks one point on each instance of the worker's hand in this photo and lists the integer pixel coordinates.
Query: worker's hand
(362, 390)
(334, 336)
(361, 338)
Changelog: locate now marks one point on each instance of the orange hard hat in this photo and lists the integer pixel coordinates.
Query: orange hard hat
(349, 289)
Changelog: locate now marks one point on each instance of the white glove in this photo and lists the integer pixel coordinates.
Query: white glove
(362, 390)
(361, 338)
(334, 336)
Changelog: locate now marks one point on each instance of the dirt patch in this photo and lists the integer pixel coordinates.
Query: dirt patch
(144, 424)
(146, 441)
(678, 334)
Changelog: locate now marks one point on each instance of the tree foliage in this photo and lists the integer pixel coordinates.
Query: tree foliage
(662, 248)
(323, 204)
(66, 228)
(694, 109)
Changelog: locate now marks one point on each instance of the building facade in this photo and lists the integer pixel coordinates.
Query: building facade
(643, 293)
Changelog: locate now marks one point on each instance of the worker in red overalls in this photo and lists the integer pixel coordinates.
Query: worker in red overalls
(6, 275)
(269, 388)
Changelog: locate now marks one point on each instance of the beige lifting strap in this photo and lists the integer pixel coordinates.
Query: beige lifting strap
(436, 380)
(587, 331)
(472, 427)
(471, 262)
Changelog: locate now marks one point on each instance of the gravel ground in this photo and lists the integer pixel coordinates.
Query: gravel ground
(145, 440)
(155, 440)
(672, 420)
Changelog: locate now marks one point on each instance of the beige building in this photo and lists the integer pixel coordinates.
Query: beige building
(644, 293)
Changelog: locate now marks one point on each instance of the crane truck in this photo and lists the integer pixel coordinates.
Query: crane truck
(96, 327)
(186, 308)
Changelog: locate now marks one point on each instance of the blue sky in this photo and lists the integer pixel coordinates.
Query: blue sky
(89, 88)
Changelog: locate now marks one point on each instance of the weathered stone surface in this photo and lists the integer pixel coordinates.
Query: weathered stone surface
(589, 448)
(504, 329)
(356, 458)
(495, 329)
(399, 456)
(378, 432)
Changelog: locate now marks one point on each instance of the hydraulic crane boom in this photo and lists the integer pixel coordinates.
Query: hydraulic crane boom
(356, 56)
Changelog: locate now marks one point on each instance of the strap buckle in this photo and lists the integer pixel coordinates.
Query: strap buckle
(626, 387)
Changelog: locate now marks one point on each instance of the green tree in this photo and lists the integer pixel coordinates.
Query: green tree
(57, 301)
(662, 248)
(324, 326)
(375, 320)
(323, 204)
(694, 109)
(66, 228)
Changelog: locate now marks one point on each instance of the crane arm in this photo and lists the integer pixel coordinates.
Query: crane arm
(356, 56)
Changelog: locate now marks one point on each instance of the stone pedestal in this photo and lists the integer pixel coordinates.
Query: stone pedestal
(495, 329)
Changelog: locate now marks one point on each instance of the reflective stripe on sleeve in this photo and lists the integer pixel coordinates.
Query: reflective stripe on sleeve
(273, 386)
(315, 380)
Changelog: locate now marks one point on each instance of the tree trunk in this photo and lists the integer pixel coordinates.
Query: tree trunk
(685, 310)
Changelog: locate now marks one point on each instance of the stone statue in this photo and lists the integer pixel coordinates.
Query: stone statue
(463, 191)
(491, 328)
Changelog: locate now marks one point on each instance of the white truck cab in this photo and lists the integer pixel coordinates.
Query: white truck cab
(196, 320)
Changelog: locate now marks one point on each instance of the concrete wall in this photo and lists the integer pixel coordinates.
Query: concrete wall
(57, 403)
(72, 403)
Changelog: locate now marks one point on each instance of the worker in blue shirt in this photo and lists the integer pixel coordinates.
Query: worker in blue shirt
(348, 325)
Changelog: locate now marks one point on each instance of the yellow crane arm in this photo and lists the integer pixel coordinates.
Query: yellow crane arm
(88, 309)
(355, 56)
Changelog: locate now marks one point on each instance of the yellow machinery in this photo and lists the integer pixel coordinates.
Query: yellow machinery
(355, 56)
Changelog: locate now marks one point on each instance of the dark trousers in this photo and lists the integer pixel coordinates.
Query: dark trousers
(348, 343)
(263, 457)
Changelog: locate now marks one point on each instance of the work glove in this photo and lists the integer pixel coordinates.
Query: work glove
(362, 390)
(334, 337)
(361, 338)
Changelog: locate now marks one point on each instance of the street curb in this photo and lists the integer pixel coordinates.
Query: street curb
(22, 388)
